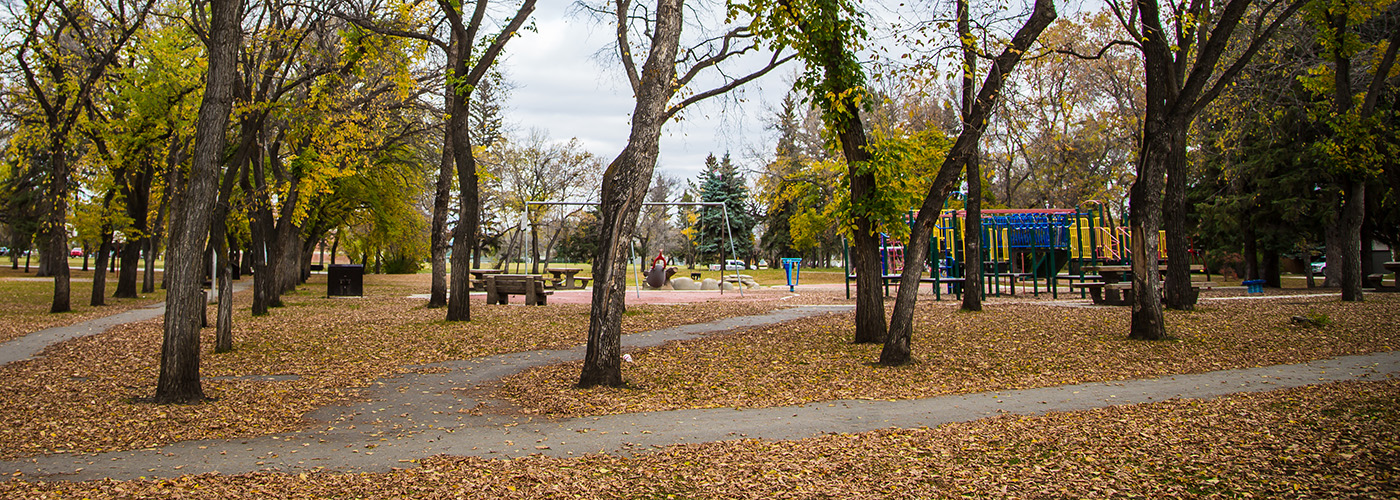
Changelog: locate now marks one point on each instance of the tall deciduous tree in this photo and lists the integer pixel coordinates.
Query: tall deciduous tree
(655, 86)
(64, 52)
(1356, 146)
(896, 350)
(1183, 69)
(189, 224)
(827, 34)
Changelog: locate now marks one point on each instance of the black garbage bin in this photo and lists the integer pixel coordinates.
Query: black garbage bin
(345, 280)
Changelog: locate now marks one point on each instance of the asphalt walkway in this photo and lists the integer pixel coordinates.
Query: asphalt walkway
(414, 416)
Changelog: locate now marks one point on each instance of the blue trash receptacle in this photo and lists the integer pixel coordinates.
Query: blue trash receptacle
(793, 268)
(1254, 286)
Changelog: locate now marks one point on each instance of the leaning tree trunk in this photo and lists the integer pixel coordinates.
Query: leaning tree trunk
(964, 151)
(185, 304)
(625, 185)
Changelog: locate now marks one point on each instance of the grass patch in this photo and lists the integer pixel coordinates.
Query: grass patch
(25, 301)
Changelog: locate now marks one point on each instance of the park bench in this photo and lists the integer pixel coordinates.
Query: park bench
(499, 288)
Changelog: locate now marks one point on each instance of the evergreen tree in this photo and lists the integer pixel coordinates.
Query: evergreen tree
(721, 182)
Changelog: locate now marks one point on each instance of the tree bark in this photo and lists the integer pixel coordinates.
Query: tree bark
(897, 343)
(469, 210)
(442, 199)
(56, 255)
(625, 184)
(1353, 210)
(184, 304)
(972, 221)
(1178, 294)
(1146, 202)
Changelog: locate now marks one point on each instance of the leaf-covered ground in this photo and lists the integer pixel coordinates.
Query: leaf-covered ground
(64, 401)
(25, 301)
(1330, 441)
(1008, 346)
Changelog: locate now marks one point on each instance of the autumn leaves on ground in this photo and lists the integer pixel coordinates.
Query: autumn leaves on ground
(1336, 439)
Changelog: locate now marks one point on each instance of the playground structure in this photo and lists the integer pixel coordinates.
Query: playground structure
(1017, 244)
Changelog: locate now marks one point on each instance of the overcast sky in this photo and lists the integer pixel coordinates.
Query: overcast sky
(563, 87)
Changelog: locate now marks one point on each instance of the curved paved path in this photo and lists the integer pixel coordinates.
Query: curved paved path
(414, 416)
(32, 344)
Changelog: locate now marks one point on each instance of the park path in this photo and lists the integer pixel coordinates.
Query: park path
(31, 345)
(414, 416)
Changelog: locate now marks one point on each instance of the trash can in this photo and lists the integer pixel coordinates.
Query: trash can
(1254, 286)
(345, 280)
(793, 268)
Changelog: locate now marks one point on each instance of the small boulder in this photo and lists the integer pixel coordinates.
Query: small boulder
(684, 284)
(709, 284)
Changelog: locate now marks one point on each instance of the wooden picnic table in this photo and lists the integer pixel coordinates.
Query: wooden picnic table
(564, 275)
(499, 288)
(478, 281)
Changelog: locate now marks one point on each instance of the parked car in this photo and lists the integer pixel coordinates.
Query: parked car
(730, 265)
(1319, 267)
(76, 252)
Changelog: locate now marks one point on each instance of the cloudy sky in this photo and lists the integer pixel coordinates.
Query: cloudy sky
(562, 85)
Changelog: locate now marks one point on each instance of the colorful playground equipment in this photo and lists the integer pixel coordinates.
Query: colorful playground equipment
(1017, 245)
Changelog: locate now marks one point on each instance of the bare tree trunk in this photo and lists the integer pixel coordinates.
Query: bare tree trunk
(897, 344)
(1353, 210)
(972, 222)
(442, 199)
(1178, 294)
(1146, 202)
(469, 211)
(625, 184)
(184, 304)
(56, 255)
(99, 274)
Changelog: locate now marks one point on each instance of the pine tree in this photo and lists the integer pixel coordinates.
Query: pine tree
(721, 182)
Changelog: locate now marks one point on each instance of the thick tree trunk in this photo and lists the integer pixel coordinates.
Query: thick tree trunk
(469, 210)
(130, 264)
(56, 254)
(1146, 205)
(1353, 210)
(625, 184)
(185, 304)
(1178, 294)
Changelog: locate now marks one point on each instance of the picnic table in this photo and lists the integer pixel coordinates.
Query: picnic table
(478, 281)
(499, 288)
(564, 278)
(1116, 286)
